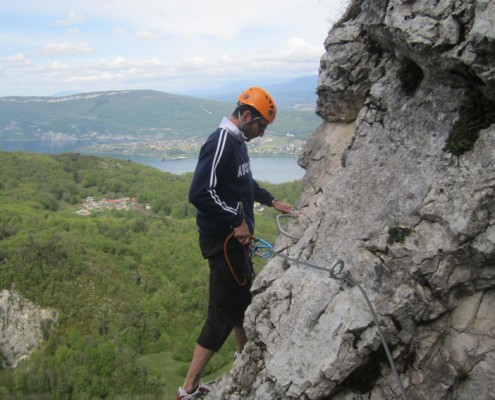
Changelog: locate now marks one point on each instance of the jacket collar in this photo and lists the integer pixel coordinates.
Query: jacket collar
(232, 129)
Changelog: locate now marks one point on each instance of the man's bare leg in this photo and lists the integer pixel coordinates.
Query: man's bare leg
(240, 337)
(199, 361)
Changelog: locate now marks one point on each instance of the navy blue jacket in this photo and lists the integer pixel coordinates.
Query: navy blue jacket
(223, 189)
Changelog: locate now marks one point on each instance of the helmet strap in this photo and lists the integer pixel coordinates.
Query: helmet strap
(253, 119)
(241, 125)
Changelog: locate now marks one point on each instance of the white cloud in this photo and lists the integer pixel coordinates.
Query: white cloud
(147, 35)
(74, 31)
(57, 65)
(72, 18)
(65, 48)
(94, 77)
(122, 63)
(295, 49)
(162, 74)
(19, 59)
(125, 44)
(118, 62)
(119, 30)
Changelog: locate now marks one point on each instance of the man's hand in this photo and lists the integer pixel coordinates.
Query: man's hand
(242, 234)
(280, 206)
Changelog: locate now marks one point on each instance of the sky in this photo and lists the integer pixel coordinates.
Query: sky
(56, 47)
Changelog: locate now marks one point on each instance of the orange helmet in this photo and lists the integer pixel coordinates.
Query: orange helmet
(261, 100)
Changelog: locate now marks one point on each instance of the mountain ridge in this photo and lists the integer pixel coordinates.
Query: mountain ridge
(301, 88)
(129, 114)
(290, 93)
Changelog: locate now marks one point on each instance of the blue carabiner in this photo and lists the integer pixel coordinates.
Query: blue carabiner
(262, 248)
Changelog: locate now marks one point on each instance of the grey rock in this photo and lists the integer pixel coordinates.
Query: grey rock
(23, 327)
(413, 222)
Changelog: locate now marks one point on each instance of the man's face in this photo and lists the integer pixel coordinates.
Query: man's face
(255, 127)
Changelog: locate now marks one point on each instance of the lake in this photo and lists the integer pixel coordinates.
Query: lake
(273, 170)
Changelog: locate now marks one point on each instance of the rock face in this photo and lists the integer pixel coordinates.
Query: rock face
(399, 185)
(23, 326)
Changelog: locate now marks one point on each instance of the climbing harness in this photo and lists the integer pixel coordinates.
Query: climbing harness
(336, 271)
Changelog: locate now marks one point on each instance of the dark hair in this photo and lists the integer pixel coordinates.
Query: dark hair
(244, 107)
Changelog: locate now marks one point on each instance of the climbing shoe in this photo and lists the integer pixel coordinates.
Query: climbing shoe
(201, 391)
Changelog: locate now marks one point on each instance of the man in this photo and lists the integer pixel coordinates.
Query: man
(224, 191)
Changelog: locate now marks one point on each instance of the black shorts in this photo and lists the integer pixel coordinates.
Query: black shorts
(228, 300)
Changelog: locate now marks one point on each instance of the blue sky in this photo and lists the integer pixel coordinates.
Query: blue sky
(57, 46)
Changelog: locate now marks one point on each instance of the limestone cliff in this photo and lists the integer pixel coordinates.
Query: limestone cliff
(399, 185)
(23, 327)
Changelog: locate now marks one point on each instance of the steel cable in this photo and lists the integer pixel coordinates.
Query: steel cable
(337, 272)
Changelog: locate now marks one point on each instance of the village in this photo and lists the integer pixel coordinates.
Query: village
(123, 203)
(126, 203)
(268, 146)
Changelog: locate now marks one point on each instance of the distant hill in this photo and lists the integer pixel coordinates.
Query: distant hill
(113, 113)
(288, 95)
(120, 115)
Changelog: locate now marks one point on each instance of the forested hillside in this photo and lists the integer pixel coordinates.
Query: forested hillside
(119, 115)
(129, 284)
(110, 114)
